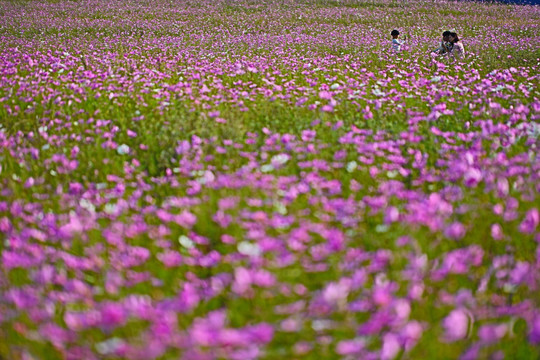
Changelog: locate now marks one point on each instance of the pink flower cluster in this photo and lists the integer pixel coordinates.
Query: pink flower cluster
(245, 180)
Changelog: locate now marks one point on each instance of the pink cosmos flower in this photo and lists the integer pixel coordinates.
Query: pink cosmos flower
(336, 292)
(529, 224)
(455, 231)
(492, 333)
(534, 332)
(327, 108)
(496, 232)
(391, 347)
(456, 325)
(349, 347)
(472, 177)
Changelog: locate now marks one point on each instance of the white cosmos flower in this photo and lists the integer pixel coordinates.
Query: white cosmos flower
(122, 149)
(279, 159)
(206, 177)
(186, 242)
(377, 92)
(392, 174)
(280, 208)
(110, 208)
(109, 346)
(249, 249)
(351, 166)
(85, 204)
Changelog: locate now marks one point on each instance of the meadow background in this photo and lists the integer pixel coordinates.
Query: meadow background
(268, 180)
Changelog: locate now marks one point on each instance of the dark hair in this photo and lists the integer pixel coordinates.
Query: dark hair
(446, 33)
(394, 33)
(454, 35)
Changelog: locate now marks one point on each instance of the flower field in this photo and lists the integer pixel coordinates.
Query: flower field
(268, 180)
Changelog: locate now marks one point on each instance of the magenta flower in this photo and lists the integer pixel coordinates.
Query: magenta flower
(336, 292)
(390, 347)
(455, 231)
(492, 333)
(327, 108)
(529, 224)
(496, 232)
(472, 177)
(456, 325)
(349, 347)
(112, 315)
(534, 330)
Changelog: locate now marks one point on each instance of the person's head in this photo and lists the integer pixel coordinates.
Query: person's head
(453, 37)
(446, 35)
(394, 34)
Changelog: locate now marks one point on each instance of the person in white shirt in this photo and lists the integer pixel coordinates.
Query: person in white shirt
(396, 43)
(446, 45)
(458, 51)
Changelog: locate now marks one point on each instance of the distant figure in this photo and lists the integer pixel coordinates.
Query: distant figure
(446, 45)
(396, 43)
(458, 51)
